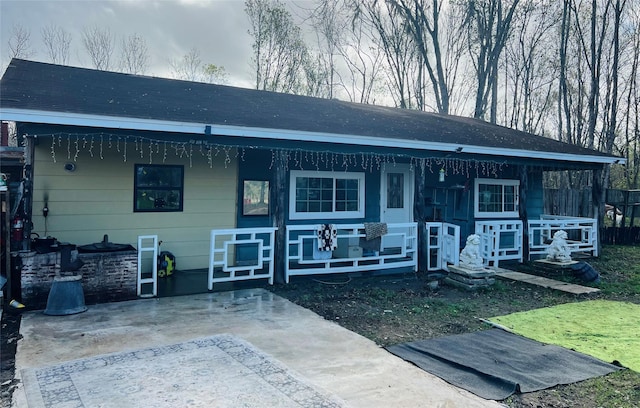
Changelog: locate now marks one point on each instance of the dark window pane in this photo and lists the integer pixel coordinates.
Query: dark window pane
(395, 190)
(158, 188)
(302, 182)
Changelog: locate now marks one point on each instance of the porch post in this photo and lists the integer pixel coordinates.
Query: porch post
(522, 209)
(419, 216)
(597, 196)
(279, 197)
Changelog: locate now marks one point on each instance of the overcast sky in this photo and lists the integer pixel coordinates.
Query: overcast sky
(217, 28)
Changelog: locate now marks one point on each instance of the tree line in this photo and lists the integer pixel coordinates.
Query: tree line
(563, 69)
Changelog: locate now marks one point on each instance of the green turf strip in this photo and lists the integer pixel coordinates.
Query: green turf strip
(603, 329)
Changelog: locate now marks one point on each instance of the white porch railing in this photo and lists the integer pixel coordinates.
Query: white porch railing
(399, 249)
(582, 232)
(241, 254)
(500, 240)
(442, 246)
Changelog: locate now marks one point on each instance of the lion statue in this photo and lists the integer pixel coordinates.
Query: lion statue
(559, 249)
(470, 257)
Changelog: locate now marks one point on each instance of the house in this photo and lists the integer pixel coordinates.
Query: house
(238, 181)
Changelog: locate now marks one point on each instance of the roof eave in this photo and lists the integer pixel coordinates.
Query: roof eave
(126, 123)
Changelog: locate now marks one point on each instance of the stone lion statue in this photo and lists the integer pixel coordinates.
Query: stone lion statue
(559, 249)
(470, 257)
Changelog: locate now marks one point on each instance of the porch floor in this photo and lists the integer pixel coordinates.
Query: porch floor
(194, 281)
(545, 282)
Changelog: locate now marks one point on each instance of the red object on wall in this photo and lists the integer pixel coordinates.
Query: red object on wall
(17, 228)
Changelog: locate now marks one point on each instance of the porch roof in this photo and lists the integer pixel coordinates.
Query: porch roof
(36, 92)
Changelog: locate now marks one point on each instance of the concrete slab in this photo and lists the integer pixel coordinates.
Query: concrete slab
(545, 282)
(326, 355)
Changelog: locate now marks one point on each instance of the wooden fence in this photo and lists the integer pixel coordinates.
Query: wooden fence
(623, 225)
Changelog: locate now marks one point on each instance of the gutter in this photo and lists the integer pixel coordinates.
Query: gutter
(124, 123)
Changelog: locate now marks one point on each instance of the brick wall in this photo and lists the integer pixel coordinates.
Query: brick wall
(106, 277)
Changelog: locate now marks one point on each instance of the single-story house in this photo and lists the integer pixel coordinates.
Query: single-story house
(242, 182)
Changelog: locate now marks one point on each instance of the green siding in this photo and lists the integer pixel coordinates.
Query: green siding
(97, 199)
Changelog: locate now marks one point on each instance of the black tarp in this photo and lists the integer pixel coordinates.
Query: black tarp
(494, 364)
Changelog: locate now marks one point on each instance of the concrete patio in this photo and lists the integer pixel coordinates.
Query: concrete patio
(330, 358)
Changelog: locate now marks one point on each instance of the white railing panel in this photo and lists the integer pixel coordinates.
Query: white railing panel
(241, 254)
(350, 256)
(148, 246)
(500, 240)
(434, 245)
(450, 245)
(582, 232)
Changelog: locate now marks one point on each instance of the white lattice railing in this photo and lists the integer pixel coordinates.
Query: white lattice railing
(500, 240)
(398, 249)
(442, 246)
(582, 233)
(241, 254)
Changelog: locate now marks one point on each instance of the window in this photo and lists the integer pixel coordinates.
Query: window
(158, 188)
(316, 194)
(496, 198)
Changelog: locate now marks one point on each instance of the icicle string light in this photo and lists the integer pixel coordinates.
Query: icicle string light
(284, 158)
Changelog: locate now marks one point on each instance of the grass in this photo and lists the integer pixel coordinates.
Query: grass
(401, 308)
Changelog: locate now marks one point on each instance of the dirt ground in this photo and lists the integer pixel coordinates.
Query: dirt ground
(402, 308)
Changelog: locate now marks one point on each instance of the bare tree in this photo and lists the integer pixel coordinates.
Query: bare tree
(424, 20)
(98, 43)
(631, 141)
(316, 77)
(364, 63)
(530, 68)
(489, 26)
(215, 74)
(20, 42)
(330, 25)
(57, 42)
(189, 67)
(279, 51)
(135, 55)
(403, 62)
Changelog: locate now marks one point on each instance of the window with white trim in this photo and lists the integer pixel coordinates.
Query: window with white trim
(496, 198)
(328, 195)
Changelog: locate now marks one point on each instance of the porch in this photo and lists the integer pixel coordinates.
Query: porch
(245, 254)
(249, 254)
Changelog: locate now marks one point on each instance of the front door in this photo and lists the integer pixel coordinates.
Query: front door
(396, 198)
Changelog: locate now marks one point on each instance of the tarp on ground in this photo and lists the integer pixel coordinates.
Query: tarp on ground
(494, 364)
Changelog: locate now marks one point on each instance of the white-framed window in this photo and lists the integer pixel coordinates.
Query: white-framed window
(496, 198)
(327, 195)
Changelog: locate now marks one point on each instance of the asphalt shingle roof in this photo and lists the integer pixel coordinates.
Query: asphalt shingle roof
(29, 85)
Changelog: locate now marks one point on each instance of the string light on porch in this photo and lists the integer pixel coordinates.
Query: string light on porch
(285, 158)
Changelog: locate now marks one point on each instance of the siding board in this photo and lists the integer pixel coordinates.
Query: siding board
(97, 199)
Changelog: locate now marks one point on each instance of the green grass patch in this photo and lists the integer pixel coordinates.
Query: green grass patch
(607, 330)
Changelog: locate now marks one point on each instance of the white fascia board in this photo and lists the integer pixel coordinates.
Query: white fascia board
(124, 123)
